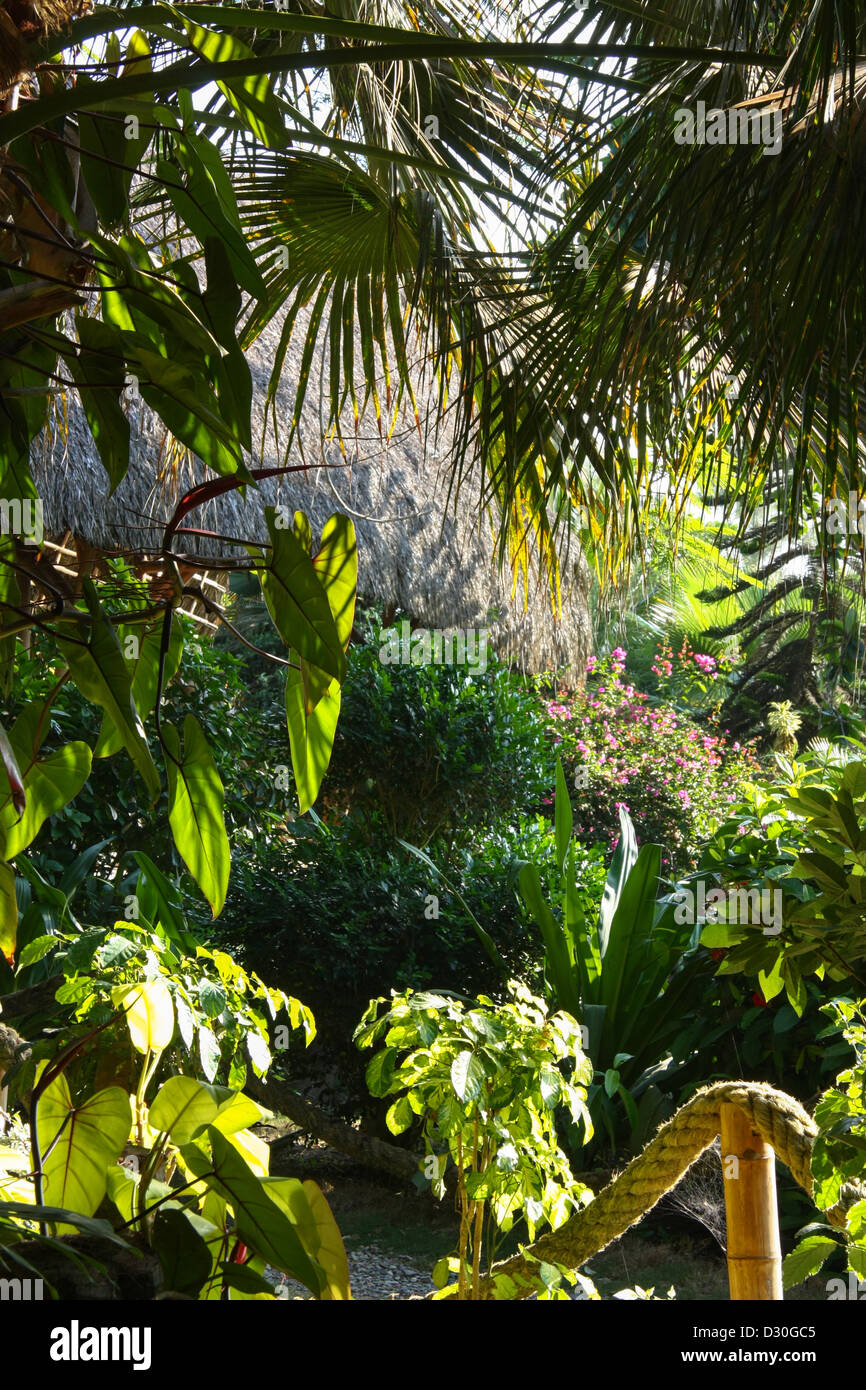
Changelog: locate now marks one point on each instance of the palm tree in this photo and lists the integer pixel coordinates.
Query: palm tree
(718, 331)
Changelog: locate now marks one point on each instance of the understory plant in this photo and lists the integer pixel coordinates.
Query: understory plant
(486, 1081)
(803, 840)
(629, 974)
(839, 1168)
(178, 1173)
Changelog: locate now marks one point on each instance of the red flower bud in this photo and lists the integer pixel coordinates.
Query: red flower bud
(759, 1000)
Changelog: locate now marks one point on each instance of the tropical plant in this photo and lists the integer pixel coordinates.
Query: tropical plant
(803, 841)
(216, 1229)
(837, 1167)
(699, 337)
(486, 1082)
(629, 976)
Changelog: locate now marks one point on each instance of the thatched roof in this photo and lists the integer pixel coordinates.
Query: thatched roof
(437, 564)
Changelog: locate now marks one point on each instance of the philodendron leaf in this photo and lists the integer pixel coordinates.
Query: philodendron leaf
(13, 773)
(149, 1013)
(297, 600)
(184, 1256)
(100, 673)
(185, 1106)
(50, 782)
(142, 656)
(259, 1221)
(336, 563)
(8, 913)
(90, 1137)
(308, 1210)
(311, 735)
(195, 810)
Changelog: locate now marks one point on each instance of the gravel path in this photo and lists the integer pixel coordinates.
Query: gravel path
(376, 1275)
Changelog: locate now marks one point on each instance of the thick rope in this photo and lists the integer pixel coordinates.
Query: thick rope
(779, 1119)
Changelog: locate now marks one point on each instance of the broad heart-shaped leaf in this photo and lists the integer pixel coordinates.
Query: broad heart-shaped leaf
(311, 735)
(8, 913)
(298, 603)
(184, 1256)
(336, 563)
(259, 1221)
(142, 663)
(195, 810)
(90, 1137)
(308, 1210)
(13, 773)
(149, 1013)
(50, 782)
(184, 1106)
(100, 673)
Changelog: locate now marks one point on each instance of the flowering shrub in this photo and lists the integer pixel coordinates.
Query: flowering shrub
(677, 780)
(691, 680)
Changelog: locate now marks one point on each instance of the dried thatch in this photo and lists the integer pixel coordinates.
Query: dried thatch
(435, 562)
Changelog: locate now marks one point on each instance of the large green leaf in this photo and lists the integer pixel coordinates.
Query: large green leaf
(8, 913)
(50, 783)
(90, 1136)
(336, 563)
(195, 802)
(102, 143)
(188, 407)
(308, 1210)
(625, 947)
(184, 1255)
(259, 1221)
(149, 1013)
(184, 1106)
(563, 817)
(623, 859)
(143, 668)
(559, 962)
(100, 673)
(311, 735)
(298, 603)
(251, 97)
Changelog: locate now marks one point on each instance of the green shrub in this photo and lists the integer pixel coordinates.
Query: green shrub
(434, 750)
(350, 917)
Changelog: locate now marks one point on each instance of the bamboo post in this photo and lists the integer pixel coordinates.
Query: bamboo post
(754, 1249)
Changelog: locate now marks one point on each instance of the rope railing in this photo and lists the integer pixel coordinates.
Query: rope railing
(775, 1119)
